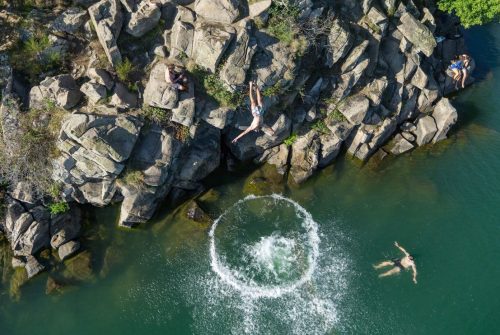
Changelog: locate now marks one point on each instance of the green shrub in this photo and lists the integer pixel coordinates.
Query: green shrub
(33, 57)
(124, 69)
(156, 115)
(283, 21)
(290, 140)
(472, 12)
(320, 126)
(58, 207)
(213, 87)
(272, 90)
(133, 178)
(337, 116)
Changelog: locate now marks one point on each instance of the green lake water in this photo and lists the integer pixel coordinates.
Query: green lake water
(303, 264)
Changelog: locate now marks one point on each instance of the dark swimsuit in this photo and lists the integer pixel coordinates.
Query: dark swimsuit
(397, 262)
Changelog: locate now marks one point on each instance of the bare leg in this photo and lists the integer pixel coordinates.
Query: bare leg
(464, 77)
(250, 94)
(168, 76)
(259, 98)
(383, 264)
(391, 272)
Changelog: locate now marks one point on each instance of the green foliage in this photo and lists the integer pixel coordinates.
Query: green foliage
(58, 207)
(320, 127)
(181, 133)
(133, 178)
(55, 190)
(336, 115)
(124, 69)
(472, 12)
(272, 90)
(34, 56)
(213, 87)
(290, 140)
(282, 24)
(156, 115)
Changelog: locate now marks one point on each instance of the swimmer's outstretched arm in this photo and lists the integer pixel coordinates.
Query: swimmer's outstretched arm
(414, 268)
(401, 248)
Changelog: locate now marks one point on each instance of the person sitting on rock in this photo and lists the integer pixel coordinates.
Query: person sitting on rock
(257, 113)
(459, 68)
(179, 81)
(399, 264)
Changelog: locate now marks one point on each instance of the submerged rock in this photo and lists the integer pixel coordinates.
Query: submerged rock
(79, 268)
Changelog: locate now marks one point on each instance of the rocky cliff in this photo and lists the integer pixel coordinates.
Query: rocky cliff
(365, 76)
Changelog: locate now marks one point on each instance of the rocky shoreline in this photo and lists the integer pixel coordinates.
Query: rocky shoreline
(365, 77)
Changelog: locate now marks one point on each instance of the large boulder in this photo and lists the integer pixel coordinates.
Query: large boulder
(94, 92)
(305, 156)
(209, 43)
(368, 138)
(159, 93)
(184, 112)
(27, 233)
(107, 18)
(70, 21)
(354, 108)
(144, 19)
(417, 33)
(234, 71)
(202, 156)
(68, 249)
(65, 227)
(224, 11)
(399, 145)
(181, 40)
(426, 129)
(340, 41)
(445, 116)
(61, 90)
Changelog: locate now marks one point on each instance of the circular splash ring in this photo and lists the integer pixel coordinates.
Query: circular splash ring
(257, 291)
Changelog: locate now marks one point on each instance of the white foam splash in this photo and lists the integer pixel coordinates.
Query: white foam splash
(250, 288)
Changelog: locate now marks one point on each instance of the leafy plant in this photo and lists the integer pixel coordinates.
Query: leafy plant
(282, 24)
(156, 115)
(272, 90)
(337, 116)
(320, 126)
(290, 140)
(58, 207)
(124, 69)
(213, 87)
(472, 12)
(133, 178)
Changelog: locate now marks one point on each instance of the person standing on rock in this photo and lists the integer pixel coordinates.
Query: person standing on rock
(399, 264)
(459, 68)
(257, 113)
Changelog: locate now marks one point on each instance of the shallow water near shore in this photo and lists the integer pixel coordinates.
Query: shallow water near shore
(302, 263)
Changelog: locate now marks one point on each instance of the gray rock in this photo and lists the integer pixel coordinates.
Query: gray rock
(139, 204)
(348, 80)
(106, 15)
(417, 33)
(61, 89)
(33, 267)
(340, 41)
(420, 79)
(258, 8)
(184, 112)
(70, 21)
(29, 236)
(277, 156)
(123, 98)
(202, 156)
(399, 145)
(354, 57)
(426, 129)
(445, 116)
(209, 43)
(368, 138)
(65, 227)
(94, 92)
(218, 117)
(354, 108)
(224, 11)
(330, 149)
(376, 21)
(159, 93)
(144, 19)
(234, 71)
(68, 249)
(23, 193)
(305, 156)
(100, 76)
(375, 90)
(181, 40)
(17, 262)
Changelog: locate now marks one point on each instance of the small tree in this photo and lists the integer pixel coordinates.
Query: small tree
(472, 12)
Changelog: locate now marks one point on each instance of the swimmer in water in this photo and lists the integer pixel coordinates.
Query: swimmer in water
(399, 264)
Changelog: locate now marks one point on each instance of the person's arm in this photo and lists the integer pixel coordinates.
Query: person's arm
(401, 248)
(414, 268)
(249, 129)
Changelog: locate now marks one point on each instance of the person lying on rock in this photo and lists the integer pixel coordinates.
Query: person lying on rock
(459, 68)
(399, 264)
(257, 113)
(178, 80)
